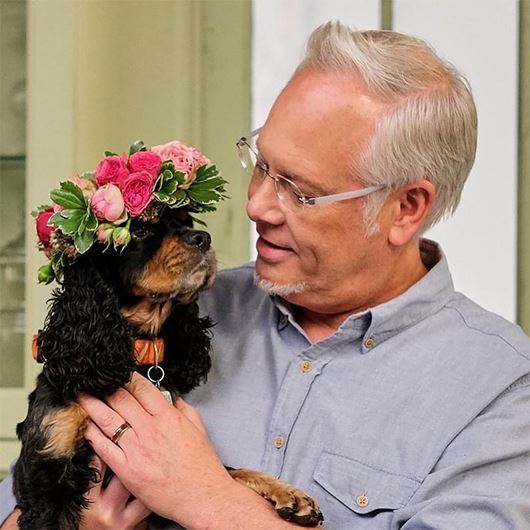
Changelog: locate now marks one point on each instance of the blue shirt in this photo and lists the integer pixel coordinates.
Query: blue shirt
(415, 414)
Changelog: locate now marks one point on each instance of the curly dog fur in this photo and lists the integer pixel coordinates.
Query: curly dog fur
(87, 346)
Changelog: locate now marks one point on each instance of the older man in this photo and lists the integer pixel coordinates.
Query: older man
(353, 369)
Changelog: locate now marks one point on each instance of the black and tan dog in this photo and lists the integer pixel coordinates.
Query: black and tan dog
(107, 305)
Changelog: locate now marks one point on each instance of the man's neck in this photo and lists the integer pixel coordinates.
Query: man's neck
(321, 325)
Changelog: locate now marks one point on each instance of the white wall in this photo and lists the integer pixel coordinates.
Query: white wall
(479, 37)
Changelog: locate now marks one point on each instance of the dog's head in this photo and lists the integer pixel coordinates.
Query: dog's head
(167, 263)
(109, 297)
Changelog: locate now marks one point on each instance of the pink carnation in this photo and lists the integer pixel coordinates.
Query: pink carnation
(145, 161)
(111, 170)
(108, 203)
(138, 191)
(43, 230)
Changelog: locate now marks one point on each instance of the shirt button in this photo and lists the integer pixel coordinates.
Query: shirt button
(278, 442)
(369, 343)
(362, 501)
(306, 366)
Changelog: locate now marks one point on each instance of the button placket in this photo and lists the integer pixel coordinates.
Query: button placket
(293, 392)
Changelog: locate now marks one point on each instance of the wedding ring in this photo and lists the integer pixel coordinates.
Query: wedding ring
(119, 432)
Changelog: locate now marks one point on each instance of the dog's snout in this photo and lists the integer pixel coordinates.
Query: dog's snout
(198, 238)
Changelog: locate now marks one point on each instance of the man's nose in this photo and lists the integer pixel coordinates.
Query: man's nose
(263, 204)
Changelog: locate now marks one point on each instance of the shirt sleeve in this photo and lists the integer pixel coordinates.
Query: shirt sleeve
(482, 480)
(7, 498)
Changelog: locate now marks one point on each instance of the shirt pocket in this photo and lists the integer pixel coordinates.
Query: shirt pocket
(363, 488)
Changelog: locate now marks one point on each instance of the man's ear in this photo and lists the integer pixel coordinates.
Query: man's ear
(413, 202)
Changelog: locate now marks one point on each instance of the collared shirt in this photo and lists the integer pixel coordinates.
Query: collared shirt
(415, 414)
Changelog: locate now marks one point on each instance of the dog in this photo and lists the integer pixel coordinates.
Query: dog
(109, 303)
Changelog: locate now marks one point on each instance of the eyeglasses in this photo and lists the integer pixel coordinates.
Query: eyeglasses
(287, 191)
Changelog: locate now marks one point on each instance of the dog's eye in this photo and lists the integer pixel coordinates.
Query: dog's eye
(141, 233)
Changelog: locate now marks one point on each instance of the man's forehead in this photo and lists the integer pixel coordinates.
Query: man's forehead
(314, 100)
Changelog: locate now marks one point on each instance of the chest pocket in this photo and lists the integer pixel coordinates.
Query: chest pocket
(362, 488)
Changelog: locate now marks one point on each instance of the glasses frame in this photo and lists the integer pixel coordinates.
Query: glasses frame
(310, 201)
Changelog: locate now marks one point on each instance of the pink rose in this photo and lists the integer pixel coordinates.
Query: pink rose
(88, 186)
(198, 157)
(107, 203)
(186, 159)
(111, 170)
(137, 192)
(145, 161)
(43, 230)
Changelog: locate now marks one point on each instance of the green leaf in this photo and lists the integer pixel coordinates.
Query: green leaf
(69, 196)
(92, 222)
(162, 197)
(137, 146)
(204, 196)
(83, 241)
(110, 153)
(69, 221)
(180, 176)
(198, 221)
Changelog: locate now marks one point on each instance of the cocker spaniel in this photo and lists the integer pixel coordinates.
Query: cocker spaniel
(116, 312)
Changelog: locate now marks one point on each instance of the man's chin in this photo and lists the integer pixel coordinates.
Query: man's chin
(279, 289)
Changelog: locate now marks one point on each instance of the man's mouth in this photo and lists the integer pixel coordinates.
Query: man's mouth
(272, 252)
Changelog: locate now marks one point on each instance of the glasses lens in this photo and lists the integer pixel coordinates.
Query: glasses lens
(246, 156)
(288, 192)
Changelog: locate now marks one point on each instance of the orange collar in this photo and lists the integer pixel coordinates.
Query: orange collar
(146, 351)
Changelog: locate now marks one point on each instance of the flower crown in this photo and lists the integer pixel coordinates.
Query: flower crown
(98, 206)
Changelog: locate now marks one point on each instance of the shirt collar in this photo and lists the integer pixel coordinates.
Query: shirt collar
(424, 298)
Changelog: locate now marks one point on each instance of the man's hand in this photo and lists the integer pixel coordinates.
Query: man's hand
(165, 459)
(111, 507)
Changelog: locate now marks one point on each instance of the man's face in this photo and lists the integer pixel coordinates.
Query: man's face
(315, 129)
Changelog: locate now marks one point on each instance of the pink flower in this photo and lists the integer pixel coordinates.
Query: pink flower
(107, 203)
(111, 170)
(186, 159)
(145, 161)
(198, 157)
(43, 230)
(138, 191)
(88, 186)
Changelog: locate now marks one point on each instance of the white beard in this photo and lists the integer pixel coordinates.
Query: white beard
(279, 289)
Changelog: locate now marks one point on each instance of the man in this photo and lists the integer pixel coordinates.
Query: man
(356, 372)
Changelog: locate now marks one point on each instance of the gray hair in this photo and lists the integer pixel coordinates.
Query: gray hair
(429, 129)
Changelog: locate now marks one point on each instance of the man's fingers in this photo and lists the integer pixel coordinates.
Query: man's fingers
(108, 451)
(191, 414)
(128, 407)
(147, 394)
(108, 421)
(116, 492)
(136, 510)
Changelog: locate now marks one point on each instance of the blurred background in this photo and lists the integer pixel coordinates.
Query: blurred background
(78, 77)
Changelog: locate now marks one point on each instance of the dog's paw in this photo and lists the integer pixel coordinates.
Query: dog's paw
(294, 505)
(290, 503)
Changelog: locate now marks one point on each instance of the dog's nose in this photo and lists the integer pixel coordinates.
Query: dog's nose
(198, 238)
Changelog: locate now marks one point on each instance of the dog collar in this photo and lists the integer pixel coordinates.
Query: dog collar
(146, 351)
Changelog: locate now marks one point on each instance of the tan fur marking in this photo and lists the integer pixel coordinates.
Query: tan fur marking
(147, 316)
(165, 269)
(62, 429)
(280, 493)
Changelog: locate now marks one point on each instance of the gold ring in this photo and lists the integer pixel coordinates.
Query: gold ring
(119, 432)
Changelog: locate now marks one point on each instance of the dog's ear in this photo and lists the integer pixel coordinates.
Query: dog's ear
(86, 343)
(187, 340)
